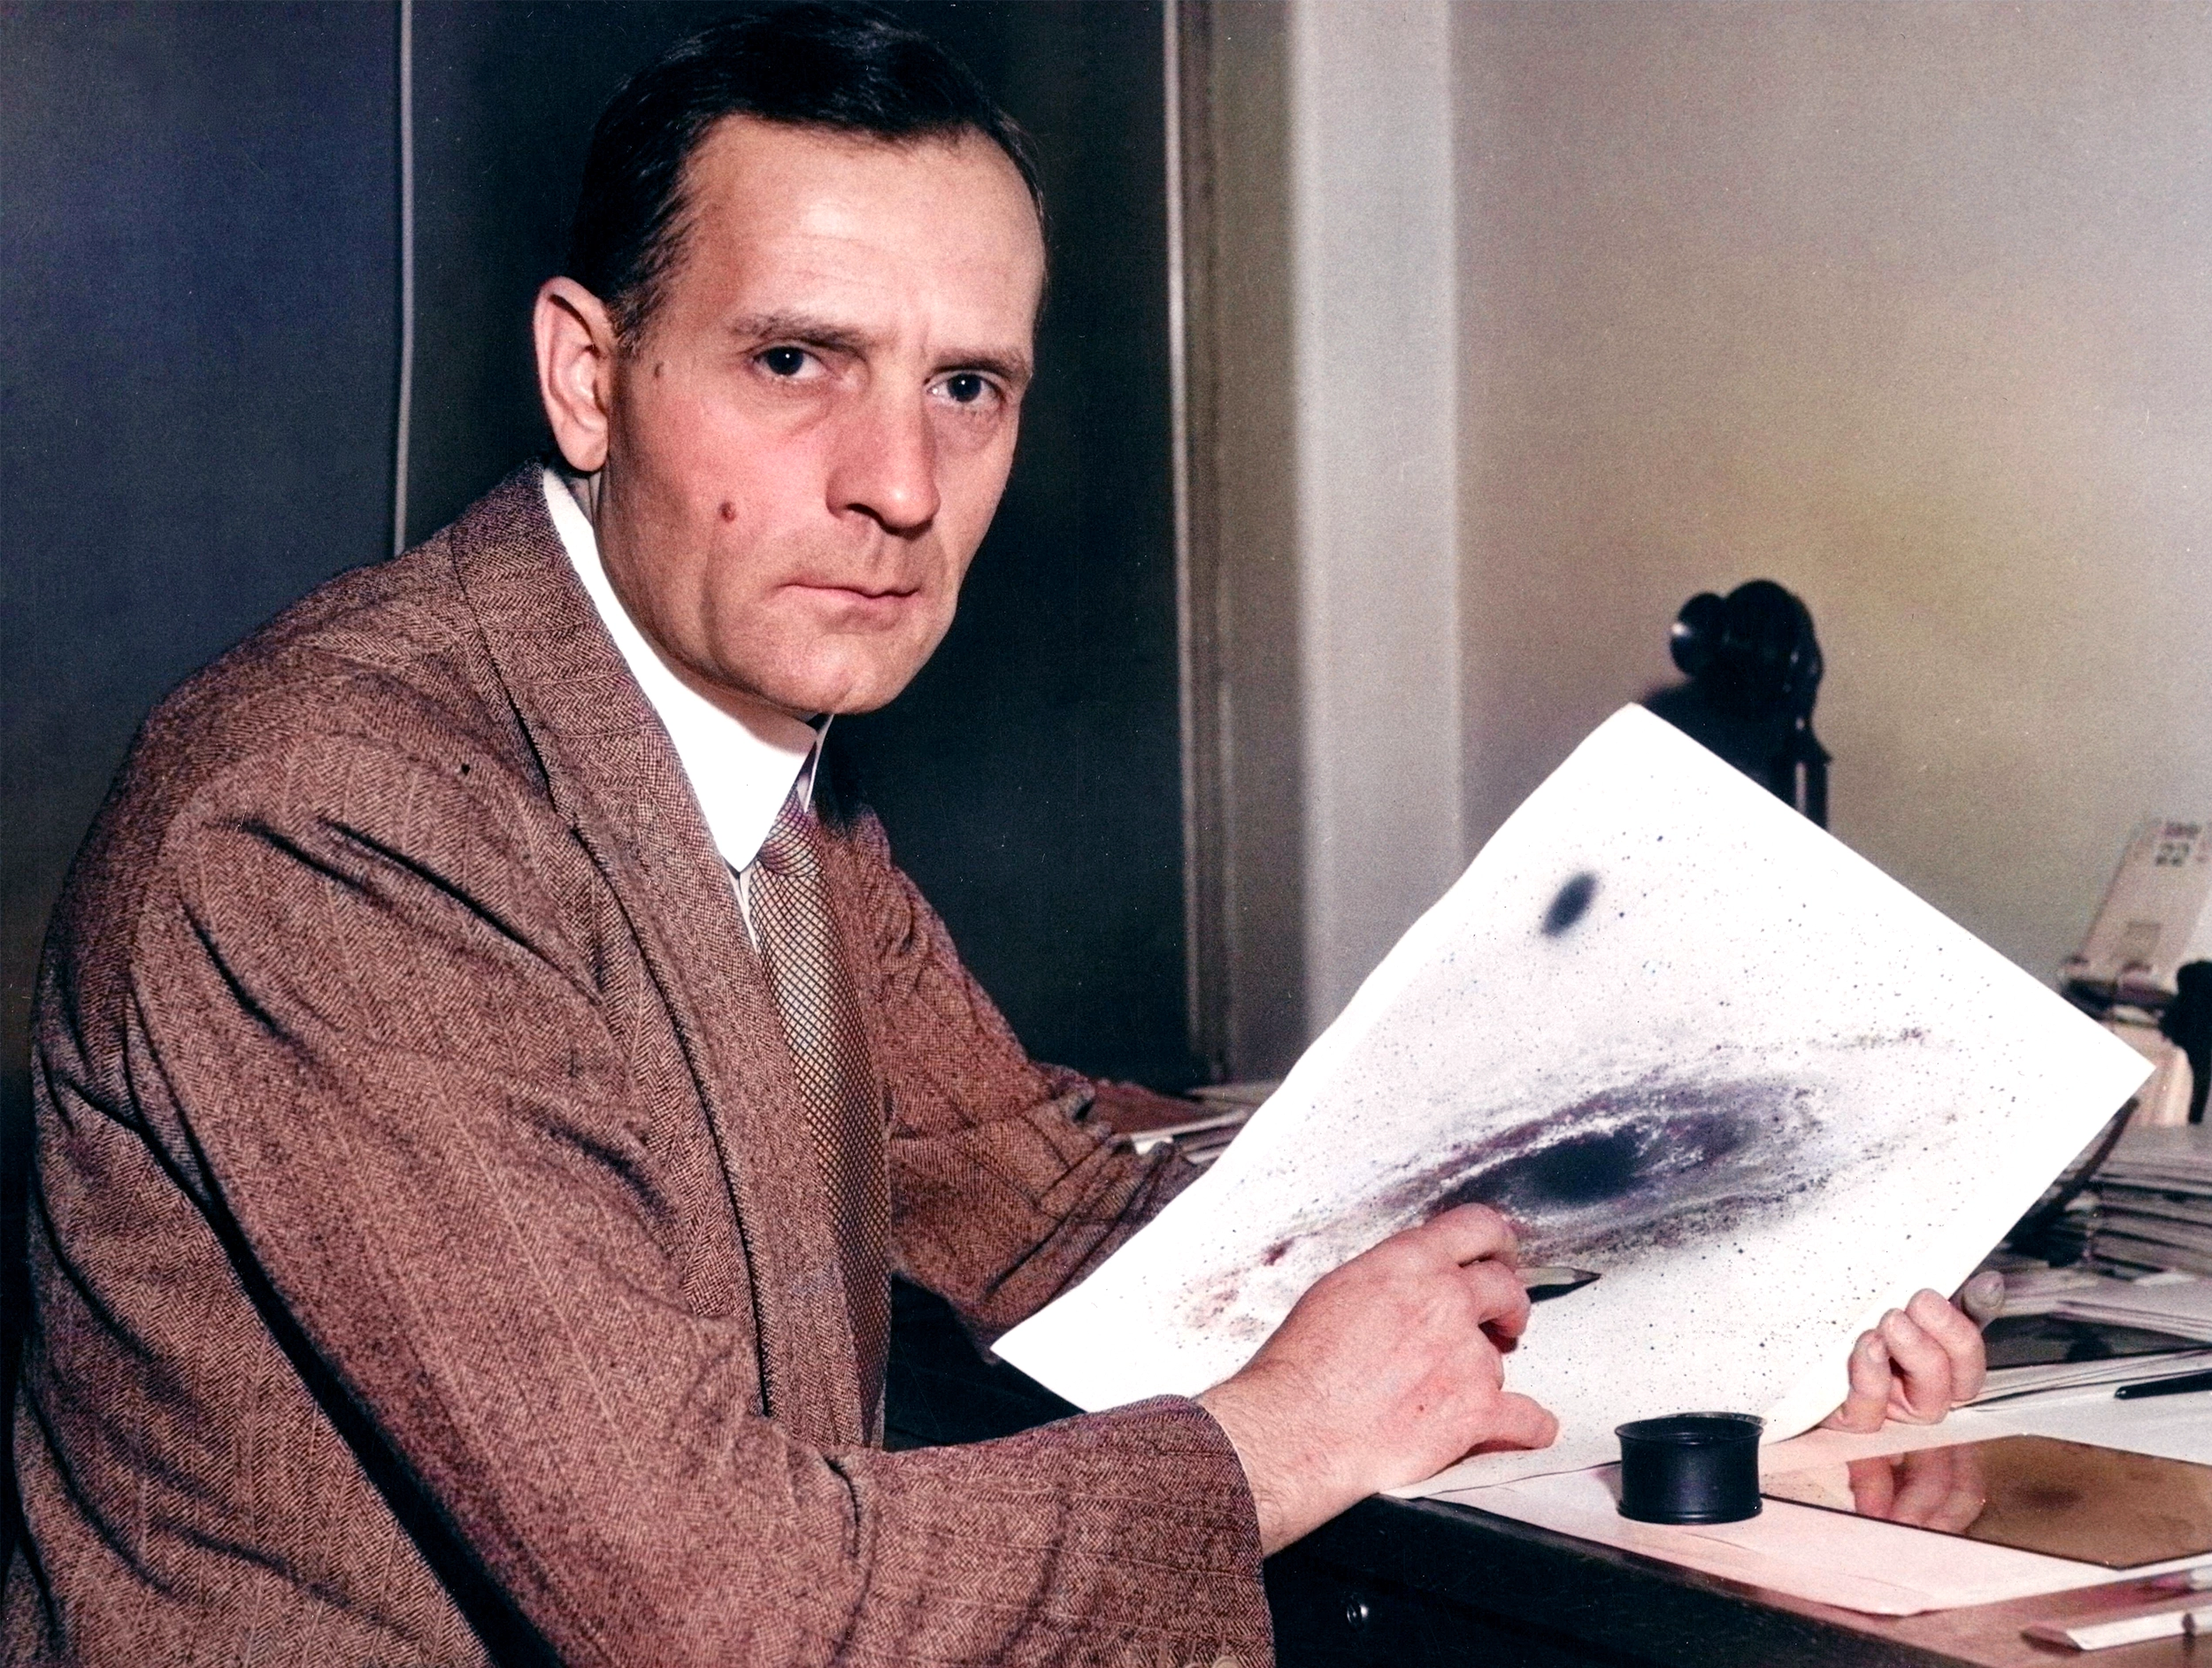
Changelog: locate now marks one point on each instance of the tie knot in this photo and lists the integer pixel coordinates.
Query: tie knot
(790, 839)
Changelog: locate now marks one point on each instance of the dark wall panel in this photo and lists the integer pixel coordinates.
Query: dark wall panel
(200, 325)
(200, 330)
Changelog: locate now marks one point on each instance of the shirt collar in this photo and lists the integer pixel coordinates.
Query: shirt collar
(741, 770)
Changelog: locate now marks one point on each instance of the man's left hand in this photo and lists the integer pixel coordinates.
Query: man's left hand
(1918, 1364)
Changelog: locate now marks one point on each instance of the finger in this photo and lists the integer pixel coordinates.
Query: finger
(1924, 1483)
(1502, 1302)
(1469, 1234)
(1960, 1509)
(1873, 1485)
(1517, 1422)
(1920, 1370)
(1959, 1338)
(1983, 1297)
(1867, 1403)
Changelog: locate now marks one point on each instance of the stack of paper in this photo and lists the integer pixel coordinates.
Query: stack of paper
(2009, 1384)
(2179, 1304)
(2031, 1288)
(2156, 1194)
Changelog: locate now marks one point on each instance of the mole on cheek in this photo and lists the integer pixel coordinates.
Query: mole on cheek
(729, 511)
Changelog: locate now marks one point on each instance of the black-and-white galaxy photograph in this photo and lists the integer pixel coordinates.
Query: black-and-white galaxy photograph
(1687, 1043)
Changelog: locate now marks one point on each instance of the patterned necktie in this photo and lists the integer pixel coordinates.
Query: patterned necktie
(821, 1020)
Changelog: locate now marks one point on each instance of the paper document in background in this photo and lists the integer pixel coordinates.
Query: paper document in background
(1682, 1037)
(2154, 1195)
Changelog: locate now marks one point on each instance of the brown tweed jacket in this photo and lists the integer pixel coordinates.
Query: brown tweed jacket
(428, 1263)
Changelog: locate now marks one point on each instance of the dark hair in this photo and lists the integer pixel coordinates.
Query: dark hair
(838, 66)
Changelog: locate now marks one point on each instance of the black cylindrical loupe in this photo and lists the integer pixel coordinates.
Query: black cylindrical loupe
(1690, 1468)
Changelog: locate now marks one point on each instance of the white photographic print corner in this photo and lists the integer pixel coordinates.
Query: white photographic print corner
(1678, 1036)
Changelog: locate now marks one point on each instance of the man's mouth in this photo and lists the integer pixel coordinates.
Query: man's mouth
(860, 590)
(855, 605)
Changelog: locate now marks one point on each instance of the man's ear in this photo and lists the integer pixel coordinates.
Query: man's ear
(576, 354)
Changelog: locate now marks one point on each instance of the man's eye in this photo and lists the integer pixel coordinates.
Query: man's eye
(965, 388)
(784, 361)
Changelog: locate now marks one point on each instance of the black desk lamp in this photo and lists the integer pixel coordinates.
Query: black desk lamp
(1753, 667)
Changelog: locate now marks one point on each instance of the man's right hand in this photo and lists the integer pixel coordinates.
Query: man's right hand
(1387, 1370)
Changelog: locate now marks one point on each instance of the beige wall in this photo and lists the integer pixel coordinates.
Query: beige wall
(1905, 304)
(1322, 629)
(1372, 261)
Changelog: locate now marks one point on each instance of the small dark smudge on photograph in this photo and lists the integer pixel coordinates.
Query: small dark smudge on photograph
(1570, 903)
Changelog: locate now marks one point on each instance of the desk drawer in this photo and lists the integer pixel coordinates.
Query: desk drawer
(1328, 1618)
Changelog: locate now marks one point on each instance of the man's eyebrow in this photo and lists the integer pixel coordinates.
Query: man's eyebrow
(810, 328)
(1012, 368)
(815, 331)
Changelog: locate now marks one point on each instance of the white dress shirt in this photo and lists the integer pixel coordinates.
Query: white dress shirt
(741, 770)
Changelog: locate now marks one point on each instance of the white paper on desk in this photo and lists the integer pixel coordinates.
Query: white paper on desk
(1681, 1036)
(1884, 1569)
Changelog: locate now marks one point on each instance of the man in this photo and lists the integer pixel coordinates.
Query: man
(465, 1057)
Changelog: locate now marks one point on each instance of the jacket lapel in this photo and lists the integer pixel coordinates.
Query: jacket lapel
(614, 775)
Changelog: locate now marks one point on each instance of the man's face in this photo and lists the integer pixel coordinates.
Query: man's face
(809, 438)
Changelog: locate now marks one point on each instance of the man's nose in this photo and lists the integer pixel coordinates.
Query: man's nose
(886, 465)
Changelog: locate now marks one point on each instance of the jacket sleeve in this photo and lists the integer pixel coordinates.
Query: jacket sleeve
(1004, 1193)
(365, 1031)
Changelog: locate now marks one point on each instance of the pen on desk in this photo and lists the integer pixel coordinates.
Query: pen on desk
(2179, 1384)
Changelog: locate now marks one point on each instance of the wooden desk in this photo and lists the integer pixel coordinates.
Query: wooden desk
(1402, 1582)
(1408, 1581)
